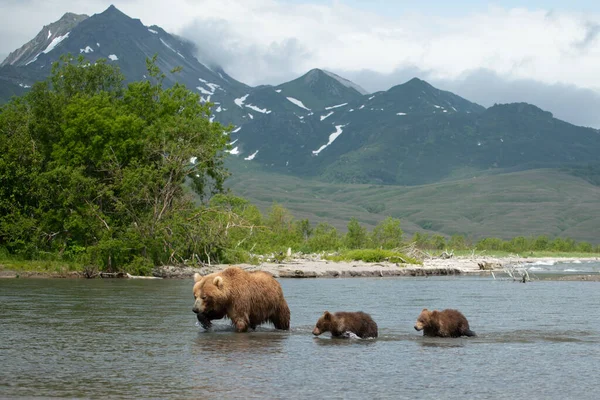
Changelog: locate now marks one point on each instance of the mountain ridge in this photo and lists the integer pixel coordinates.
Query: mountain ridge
(46, 37)
(321, 125)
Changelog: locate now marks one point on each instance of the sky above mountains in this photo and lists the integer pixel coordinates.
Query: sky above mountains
(542, 52)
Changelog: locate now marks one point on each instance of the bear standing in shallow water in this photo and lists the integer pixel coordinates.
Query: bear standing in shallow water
(247, 298)
(359, 323)
(446, 323)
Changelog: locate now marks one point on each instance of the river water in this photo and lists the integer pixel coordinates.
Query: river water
(138, 339)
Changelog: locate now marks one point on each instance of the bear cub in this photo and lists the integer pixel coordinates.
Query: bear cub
(340, 323)
(446, 323)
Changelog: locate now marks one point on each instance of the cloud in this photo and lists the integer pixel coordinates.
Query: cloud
(218, 44)
(514, 43)
(591, 33)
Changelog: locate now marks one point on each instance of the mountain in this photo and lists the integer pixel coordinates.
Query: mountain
(329, 151)
(321, 125)
(318, 89)
(50, 36)
(114, 36)
(413, 134)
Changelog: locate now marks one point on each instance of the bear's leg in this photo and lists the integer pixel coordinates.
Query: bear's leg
(281, 319)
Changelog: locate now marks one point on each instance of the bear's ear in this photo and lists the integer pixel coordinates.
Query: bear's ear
(425, 310)
(327, 315)
(197, 277)
(218, 282)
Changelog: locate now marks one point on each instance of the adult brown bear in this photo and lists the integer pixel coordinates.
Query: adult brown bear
(446, 323)
(248, 299)
(340, 323)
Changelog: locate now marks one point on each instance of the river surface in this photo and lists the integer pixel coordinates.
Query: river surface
(139, 339)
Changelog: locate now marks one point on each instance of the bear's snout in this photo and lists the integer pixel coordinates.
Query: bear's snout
(316, 332)
(194, 309)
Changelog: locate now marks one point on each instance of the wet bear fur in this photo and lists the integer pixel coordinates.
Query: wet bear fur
(248, 299)
(359, 323)
(446, 323)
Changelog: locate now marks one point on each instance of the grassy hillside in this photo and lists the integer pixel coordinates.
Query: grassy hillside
(534, 202)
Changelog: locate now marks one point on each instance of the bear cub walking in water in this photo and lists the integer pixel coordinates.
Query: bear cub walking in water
(446, 323)
(359, 323)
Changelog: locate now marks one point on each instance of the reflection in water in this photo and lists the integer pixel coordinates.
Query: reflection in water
(442, 342)
(331, 341)
(232, 344)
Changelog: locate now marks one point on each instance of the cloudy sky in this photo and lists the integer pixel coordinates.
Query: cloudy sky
(543, 52)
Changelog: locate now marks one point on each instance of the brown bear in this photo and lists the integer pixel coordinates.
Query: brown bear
(446, 323)
(247, 298)
(340, 323)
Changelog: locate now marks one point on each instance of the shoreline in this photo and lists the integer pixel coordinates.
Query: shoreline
(314, 267)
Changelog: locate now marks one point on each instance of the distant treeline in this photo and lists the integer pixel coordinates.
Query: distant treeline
(519, 244)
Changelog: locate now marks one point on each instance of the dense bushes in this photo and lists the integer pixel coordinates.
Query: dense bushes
(95, 171)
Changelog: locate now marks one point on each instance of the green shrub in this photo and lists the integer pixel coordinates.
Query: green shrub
(387, 234)
(356, 237)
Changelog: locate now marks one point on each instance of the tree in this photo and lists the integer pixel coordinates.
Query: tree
(325, 237)
(387, 234)
(87, 162)
(304, 229)
(356, 237)
(457, 242)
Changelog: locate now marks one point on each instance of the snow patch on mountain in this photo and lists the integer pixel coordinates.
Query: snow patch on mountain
(152, 31)
(251, 156)
(203, 91)
(87, 49)
(297, 102)
(332, 137)
(213, 86)
(55, 42)
(240, 100)
(113, 57)
(325, 116)
(258, 109)
(339, 105)
(172, 49)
